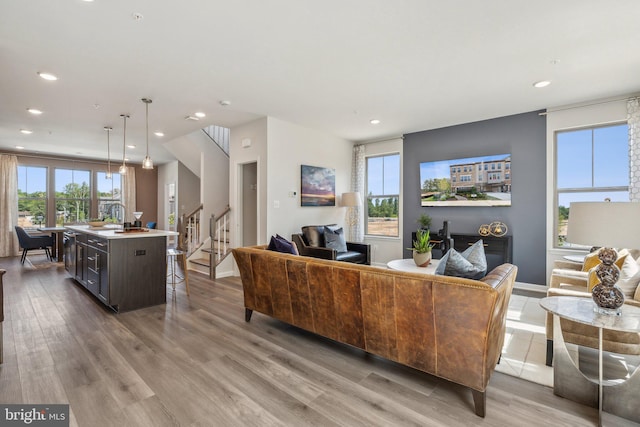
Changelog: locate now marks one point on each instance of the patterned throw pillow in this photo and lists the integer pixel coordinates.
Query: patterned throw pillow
(471, 264)
(334, 239)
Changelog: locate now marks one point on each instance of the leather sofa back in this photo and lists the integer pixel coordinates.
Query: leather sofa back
(450, 327)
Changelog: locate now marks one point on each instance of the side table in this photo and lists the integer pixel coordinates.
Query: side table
(407, 265)
(616, 397)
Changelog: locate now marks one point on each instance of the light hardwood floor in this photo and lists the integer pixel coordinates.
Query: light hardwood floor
(195, 362)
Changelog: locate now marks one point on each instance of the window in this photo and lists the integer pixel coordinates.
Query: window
(73, 195)
(383, 195)
(591, 165)
(109, 196)
(32, 196)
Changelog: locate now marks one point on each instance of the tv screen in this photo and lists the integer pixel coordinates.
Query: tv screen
(472, 181)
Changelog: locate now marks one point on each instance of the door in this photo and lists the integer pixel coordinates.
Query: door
(249, 193)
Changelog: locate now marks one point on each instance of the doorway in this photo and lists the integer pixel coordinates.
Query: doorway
(249, 197)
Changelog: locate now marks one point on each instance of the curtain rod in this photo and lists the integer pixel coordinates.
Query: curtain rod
(590, 104)
(64, 159)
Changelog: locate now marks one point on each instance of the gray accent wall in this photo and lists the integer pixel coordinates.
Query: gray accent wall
(521, 135)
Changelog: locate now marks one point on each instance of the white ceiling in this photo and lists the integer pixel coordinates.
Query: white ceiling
(331, 65)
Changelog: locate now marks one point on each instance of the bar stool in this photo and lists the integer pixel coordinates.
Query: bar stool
(172, 255)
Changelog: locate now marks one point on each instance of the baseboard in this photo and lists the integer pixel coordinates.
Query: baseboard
(530, 290)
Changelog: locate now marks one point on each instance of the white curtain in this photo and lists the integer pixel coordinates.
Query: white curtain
(357, 184)
(633, 121)
(8, 205)
(129, 194)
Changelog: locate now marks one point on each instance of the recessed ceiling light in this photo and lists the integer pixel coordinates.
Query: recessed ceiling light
(225, 103)
(19, 147)
(48, 76)
(26, 131)
(374, 121)
(158, 134)
(542, 83)
(200, 114)
(137, 16)
(194, 118)
(131, 146)
(34, 111)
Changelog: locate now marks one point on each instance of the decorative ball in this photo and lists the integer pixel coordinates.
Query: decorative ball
(608, 256)
(608, 274)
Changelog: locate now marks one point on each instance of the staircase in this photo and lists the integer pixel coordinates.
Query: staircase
(219, 247)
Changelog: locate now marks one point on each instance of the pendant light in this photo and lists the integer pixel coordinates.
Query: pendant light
(108, 129)
(147, 163)
(123, 167)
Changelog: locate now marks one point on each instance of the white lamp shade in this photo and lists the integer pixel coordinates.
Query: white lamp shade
(611, 224)
(351, 199)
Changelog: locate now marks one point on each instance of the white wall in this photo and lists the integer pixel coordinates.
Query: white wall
(256, 134)
(566, 118)
(289, 147)
(280, 148)
(384, 249)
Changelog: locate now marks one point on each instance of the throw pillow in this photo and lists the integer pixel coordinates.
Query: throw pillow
(334, 239)
(471, 264)
(280, 244)
(591, 260)
(629, 277)
(314, 235)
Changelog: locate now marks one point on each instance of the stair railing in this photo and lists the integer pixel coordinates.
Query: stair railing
(219, 233)
(190, 237)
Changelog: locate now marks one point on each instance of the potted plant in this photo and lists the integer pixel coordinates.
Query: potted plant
(424, 221)
(422, 248)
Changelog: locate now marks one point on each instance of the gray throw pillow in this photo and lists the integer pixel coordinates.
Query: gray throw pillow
(334, 239)
(471, 264)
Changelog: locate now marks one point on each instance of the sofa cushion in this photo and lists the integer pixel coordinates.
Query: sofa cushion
(334, 239)
(352, 256)
(280, 244)
(471, 264)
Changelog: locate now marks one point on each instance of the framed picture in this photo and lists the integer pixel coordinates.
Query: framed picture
(317, 186)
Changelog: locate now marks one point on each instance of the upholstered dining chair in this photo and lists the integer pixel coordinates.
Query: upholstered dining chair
(28, 242)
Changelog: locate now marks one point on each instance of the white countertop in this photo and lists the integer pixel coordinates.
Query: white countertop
(115, 232)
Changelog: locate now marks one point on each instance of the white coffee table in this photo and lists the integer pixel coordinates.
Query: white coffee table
(409, 266)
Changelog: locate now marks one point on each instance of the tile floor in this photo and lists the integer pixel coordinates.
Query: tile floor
(525, 343)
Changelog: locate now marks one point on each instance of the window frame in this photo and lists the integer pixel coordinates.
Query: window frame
(579, 190)
(46, 193)
(89, 199)
(381, 196)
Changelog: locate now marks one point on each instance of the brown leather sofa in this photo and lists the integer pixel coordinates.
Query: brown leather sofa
(446, 326)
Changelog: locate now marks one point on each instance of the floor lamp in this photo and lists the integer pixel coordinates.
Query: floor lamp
(351, 201)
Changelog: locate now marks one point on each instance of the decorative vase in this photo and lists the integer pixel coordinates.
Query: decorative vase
(422, 259)
(607, 296)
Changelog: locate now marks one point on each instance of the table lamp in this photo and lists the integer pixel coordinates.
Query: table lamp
(351, 200)
(608, 224)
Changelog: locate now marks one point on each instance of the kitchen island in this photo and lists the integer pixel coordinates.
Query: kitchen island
(125, 270)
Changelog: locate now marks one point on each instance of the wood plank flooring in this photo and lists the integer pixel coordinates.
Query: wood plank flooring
(195, 362)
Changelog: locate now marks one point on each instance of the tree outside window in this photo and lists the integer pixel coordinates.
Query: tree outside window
(73, 195)
(109, 197)
(383, 195)
(32, 196)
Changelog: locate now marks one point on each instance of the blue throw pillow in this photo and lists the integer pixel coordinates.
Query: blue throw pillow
(334, 239)
(280, 244)
(471, 264)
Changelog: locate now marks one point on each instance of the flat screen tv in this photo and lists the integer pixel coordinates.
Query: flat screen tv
(472, 181)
